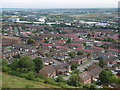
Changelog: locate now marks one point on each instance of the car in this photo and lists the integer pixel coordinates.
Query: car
(67, 74)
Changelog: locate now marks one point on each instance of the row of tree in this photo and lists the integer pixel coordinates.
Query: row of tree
(25, 64)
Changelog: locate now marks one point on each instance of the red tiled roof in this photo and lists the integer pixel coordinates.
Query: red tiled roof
(96, 47)
(47, 44)
(62, 47)
(98, 37)
(103, 42)
(76, 44)
(71, 35)
(64, 40)
(27, 32)
(59, 42)
(83, 33)
(107, 54)
(116, 50)
(86, 50)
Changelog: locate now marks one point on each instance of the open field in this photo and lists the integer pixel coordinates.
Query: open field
(95, 15)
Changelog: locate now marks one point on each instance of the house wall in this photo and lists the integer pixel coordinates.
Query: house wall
(85, 82)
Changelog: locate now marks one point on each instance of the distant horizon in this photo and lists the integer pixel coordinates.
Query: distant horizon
(65, 8)
(59, 4)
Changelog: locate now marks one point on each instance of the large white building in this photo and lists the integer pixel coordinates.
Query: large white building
(42, 20)
(14, 19)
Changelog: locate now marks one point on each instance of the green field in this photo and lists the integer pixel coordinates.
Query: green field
(9, 81)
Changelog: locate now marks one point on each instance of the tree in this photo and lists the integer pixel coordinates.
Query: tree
(15, 64)
(46, 40)
(103, 77)
(106, 76)
(30, 41)
(84, 44)
(101, 63)
(47, 54)
(79, 36)
(30, 75)
(115, 79)
(60, 79)
(86, 86)
(110, 39)
(92, 86)
(89, 86)
(79, 53)
(38, 64)
(69, 40)
(74, 66)
(76, 71)
(16, 56)
(72, 54)
(105, 46)
(26, 62)
(88, 36)
(4, 62)
(88, 55)
(74, 80)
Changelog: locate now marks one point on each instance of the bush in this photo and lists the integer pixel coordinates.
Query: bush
(63, 85)
(30, 41)
(12, 72)
(4, 62)
(89, 86)
(76, 71)
(5, 69)
(39, 79)
(74, 66)
(30, 76)
(22, 70)
(48, 80)
(29, 86)
(59, 79)
(16, 56)
(86, 86)
(92, 86)
(74, 81)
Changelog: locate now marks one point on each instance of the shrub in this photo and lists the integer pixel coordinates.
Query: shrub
(74, 80)
(5, 69)
(59, 79)
(47, 80)
(74, 66)
(86, 86)
(22, 70)
(50, 81)
(30, 76)
(29, 86)
(4, 62)
(39, 79)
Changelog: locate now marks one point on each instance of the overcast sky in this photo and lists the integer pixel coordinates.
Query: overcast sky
(60, 3)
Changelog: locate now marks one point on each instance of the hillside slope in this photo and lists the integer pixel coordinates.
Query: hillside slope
(9, 81)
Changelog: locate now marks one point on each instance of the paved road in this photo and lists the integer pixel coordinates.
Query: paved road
(84, 65)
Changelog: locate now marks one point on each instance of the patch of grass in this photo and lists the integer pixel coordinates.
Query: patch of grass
(9, 81)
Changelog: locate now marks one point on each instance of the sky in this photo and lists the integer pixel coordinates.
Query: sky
(59, 3)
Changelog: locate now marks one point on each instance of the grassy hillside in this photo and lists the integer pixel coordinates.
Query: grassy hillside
(9, 81)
